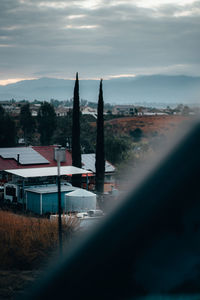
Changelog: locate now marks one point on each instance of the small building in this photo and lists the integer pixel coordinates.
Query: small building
(44, 199)
(62, 111)
(30, 185)
(124, 110)
(34, 113)
(88, 163)
(89, 111)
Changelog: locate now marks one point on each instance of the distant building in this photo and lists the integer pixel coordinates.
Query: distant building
(123, 110)
(34, 113)
(62, 111)
(86, 110)
(34, 109)
(21, 141)
(88, 163)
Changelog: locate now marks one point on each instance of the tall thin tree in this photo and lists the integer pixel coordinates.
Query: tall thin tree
(100, 154)
(76, 146)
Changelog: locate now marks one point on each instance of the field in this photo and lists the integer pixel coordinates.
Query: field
(150, 125)
(26, 244)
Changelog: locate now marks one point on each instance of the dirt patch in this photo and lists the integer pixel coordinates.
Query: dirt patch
(149, 124)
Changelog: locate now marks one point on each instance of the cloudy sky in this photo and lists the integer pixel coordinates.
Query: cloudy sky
(98, 38)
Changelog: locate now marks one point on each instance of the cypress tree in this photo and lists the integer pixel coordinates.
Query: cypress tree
(100, 155)
(76, 147)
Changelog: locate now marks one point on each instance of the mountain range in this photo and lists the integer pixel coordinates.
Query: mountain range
(155, 89)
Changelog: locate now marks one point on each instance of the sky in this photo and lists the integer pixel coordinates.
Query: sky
(98, 38)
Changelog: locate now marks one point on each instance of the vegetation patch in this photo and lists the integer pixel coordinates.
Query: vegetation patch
(25, 242)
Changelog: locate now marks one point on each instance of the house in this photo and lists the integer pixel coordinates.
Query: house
(28, 157)
(88, 163)
(34, 113)
(34, 109)
(44, 157)
(36, 188)
(62, 111)
(124, 110)
(89, 111)
(44, 199)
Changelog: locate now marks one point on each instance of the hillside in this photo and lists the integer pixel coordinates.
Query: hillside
(150, 125)
(155, 90)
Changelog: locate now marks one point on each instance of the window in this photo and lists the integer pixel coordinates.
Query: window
(10, 191)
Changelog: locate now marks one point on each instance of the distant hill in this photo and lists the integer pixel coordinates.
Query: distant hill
(142, 90)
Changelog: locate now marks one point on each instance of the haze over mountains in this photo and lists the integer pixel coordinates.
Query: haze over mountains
(155, 89)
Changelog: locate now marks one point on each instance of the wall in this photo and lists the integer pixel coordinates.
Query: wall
(49, 202)
(33, 202)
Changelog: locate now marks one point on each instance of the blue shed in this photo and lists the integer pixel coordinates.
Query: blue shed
(44, 199)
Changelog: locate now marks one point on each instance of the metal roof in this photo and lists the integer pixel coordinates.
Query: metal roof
(88, 161)
(81, 193)
(48, 171)
(45, 151)
(51, 188)
(27, 155)
(48, 153)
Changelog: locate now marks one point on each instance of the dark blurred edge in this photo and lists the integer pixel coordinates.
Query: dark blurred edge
(102, 266)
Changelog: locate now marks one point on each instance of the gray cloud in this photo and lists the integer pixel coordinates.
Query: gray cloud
(45, 37)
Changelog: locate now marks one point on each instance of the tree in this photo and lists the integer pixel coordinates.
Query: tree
(7, 129)
(76, 146)
(63, 131)
(137, 134)
(88, 134)
(100, 155)
(117, 148)
(46, 122)
(27, 122)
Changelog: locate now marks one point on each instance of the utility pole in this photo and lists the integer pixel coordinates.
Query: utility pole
(60, 156)
(59, 204)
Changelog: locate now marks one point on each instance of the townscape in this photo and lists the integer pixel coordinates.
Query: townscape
(99, 149)
(39, 143)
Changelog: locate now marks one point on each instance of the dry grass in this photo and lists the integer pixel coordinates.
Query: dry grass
(26, 241)
(148, 124)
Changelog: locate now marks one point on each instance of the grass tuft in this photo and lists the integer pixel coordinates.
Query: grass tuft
(26, 241)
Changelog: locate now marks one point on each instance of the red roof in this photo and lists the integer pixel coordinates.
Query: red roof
(46, 151)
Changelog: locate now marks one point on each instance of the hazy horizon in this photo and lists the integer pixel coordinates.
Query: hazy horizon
(107, 39)
(157, 89)
(123, 77)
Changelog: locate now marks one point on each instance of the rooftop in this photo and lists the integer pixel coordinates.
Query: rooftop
(50, 188)
(23, 155)
(45, 172)
(30, 157)
(88, 163)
